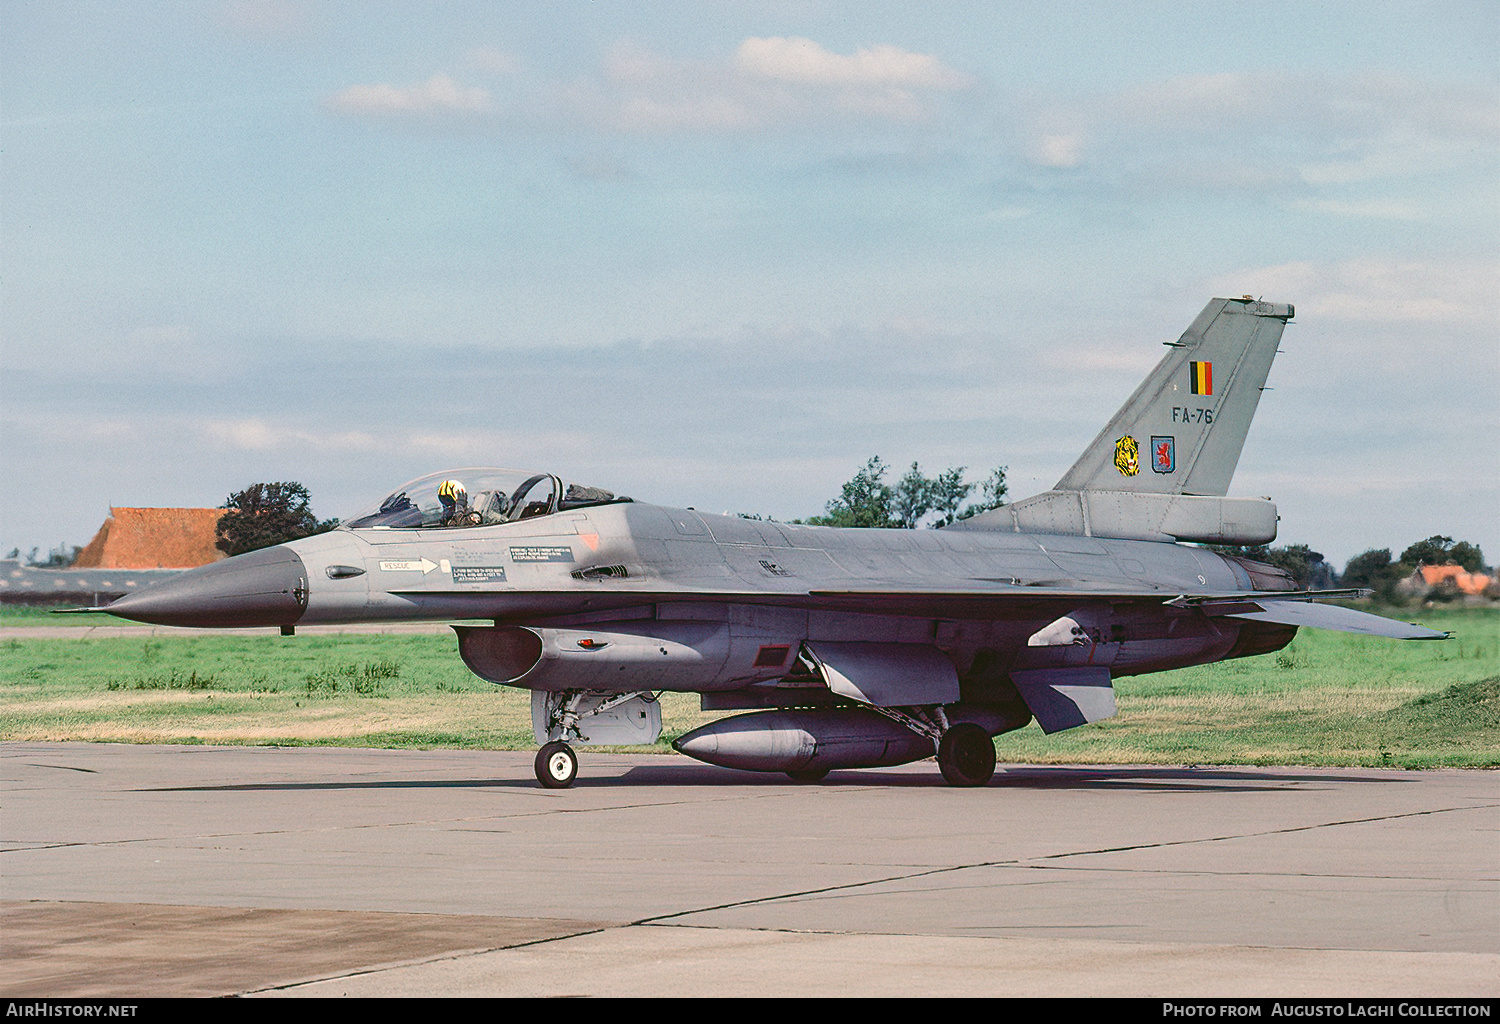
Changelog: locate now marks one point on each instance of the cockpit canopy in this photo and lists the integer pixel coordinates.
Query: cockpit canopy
(475, 497)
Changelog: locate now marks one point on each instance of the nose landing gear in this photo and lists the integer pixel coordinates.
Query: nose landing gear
(556, 765)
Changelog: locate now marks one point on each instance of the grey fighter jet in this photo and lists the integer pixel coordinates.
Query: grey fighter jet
(841, 648)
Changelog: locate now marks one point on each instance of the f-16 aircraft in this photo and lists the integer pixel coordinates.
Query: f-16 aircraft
(841, 648)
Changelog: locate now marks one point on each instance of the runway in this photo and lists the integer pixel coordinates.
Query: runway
(160, 871)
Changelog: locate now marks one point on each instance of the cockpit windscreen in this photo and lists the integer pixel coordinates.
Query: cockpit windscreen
(475, 497)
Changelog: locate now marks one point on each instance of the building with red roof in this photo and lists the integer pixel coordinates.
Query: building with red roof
(153, 538)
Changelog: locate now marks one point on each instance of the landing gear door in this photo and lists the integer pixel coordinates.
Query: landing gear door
(633, 721)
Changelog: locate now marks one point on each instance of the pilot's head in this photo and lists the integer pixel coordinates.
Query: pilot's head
(452, 494)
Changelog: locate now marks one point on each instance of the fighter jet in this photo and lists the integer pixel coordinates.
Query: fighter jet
(840, 648)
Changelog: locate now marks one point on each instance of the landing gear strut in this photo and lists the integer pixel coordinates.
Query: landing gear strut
(556, 765)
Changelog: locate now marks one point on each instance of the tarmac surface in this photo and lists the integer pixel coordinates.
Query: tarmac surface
(175, 871)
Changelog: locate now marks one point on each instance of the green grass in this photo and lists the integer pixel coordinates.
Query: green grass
(1328, 699)
(42, 615)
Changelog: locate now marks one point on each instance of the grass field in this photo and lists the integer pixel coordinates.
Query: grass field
(1328, 699)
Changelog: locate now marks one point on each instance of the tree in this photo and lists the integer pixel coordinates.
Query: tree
(1373, 570)
(993, 491)
(863, 501)
(912, 499)
(949, 492)
(266, 514)
(1304, 565)
(868, 501)
(60, 557)
(1438, 550)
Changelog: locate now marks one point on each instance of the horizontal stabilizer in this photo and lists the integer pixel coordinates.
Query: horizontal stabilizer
(1061, 698)
(1329, 616)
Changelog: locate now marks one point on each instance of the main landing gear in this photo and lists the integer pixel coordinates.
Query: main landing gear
(966, 755)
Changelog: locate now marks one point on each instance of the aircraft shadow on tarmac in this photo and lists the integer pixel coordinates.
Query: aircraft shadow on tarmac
(1154, 779)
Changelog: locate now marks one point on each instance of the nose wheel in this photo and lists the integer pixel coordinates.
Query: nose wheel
(556, 765)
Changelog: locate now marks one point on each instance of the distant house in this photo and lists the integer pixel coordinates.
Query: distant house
(153, 538)
(1453, 578)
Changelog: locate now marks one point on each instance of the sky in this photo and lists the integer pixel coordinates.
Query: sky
(718, 255)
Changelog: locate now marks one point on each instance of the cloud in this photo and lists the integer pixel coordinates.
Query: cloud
(1378, 209)
(257, 435)
(439, 94)
(1265, 130)
(804, 62)
(766, 84)
(1441, 292)
(1062, 150)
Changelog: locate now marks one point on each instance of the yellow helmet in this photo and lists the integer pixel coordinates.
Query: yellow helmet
(451, 490)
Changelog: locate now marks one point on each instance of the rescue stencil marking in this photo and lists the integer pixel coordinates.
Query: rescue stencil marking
(540, 553)
(421, 565)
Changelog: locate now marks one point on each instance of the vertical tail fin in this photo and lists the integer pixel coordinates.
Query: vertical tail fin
(1183, 429)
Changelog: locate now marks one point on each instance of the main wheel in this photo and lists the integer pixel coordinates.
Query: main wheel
(808, 775)
(966, 755)
(556, 765)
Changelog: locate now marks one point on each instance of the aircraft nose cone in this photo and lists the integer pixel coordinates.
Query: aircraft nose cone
(259, 588)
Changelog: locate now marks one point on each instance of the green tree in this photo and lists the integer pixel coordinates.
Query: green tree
(60, 557)
(949, 492)
(868, 501)
(1439, 550)
(992, 492)
(912, 498)
(265, 514)
(1373, 570)
(863, 501)
(1305, 566)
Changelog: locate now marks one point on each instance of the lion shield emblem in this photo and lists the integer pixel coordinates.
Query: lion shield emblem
(1128, 456)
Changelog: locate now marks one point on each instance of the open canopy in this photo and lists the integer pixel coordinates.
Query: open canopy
(477, 496)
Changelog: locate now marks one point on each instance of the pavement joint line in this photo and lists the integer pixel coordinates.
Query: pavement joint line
(451, 955)
(1018, 862)
(1270, 832)
(1022, 862)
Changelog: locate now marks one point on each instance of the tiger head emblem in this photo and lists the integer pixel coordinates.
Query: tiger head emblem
(1127, 456)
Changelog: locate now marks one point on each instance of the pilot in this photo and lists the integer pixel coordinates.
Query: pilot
(455, 499)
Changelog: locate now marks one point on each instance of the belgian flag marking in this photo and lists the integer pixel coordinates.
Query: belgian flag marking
(1202, 378)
